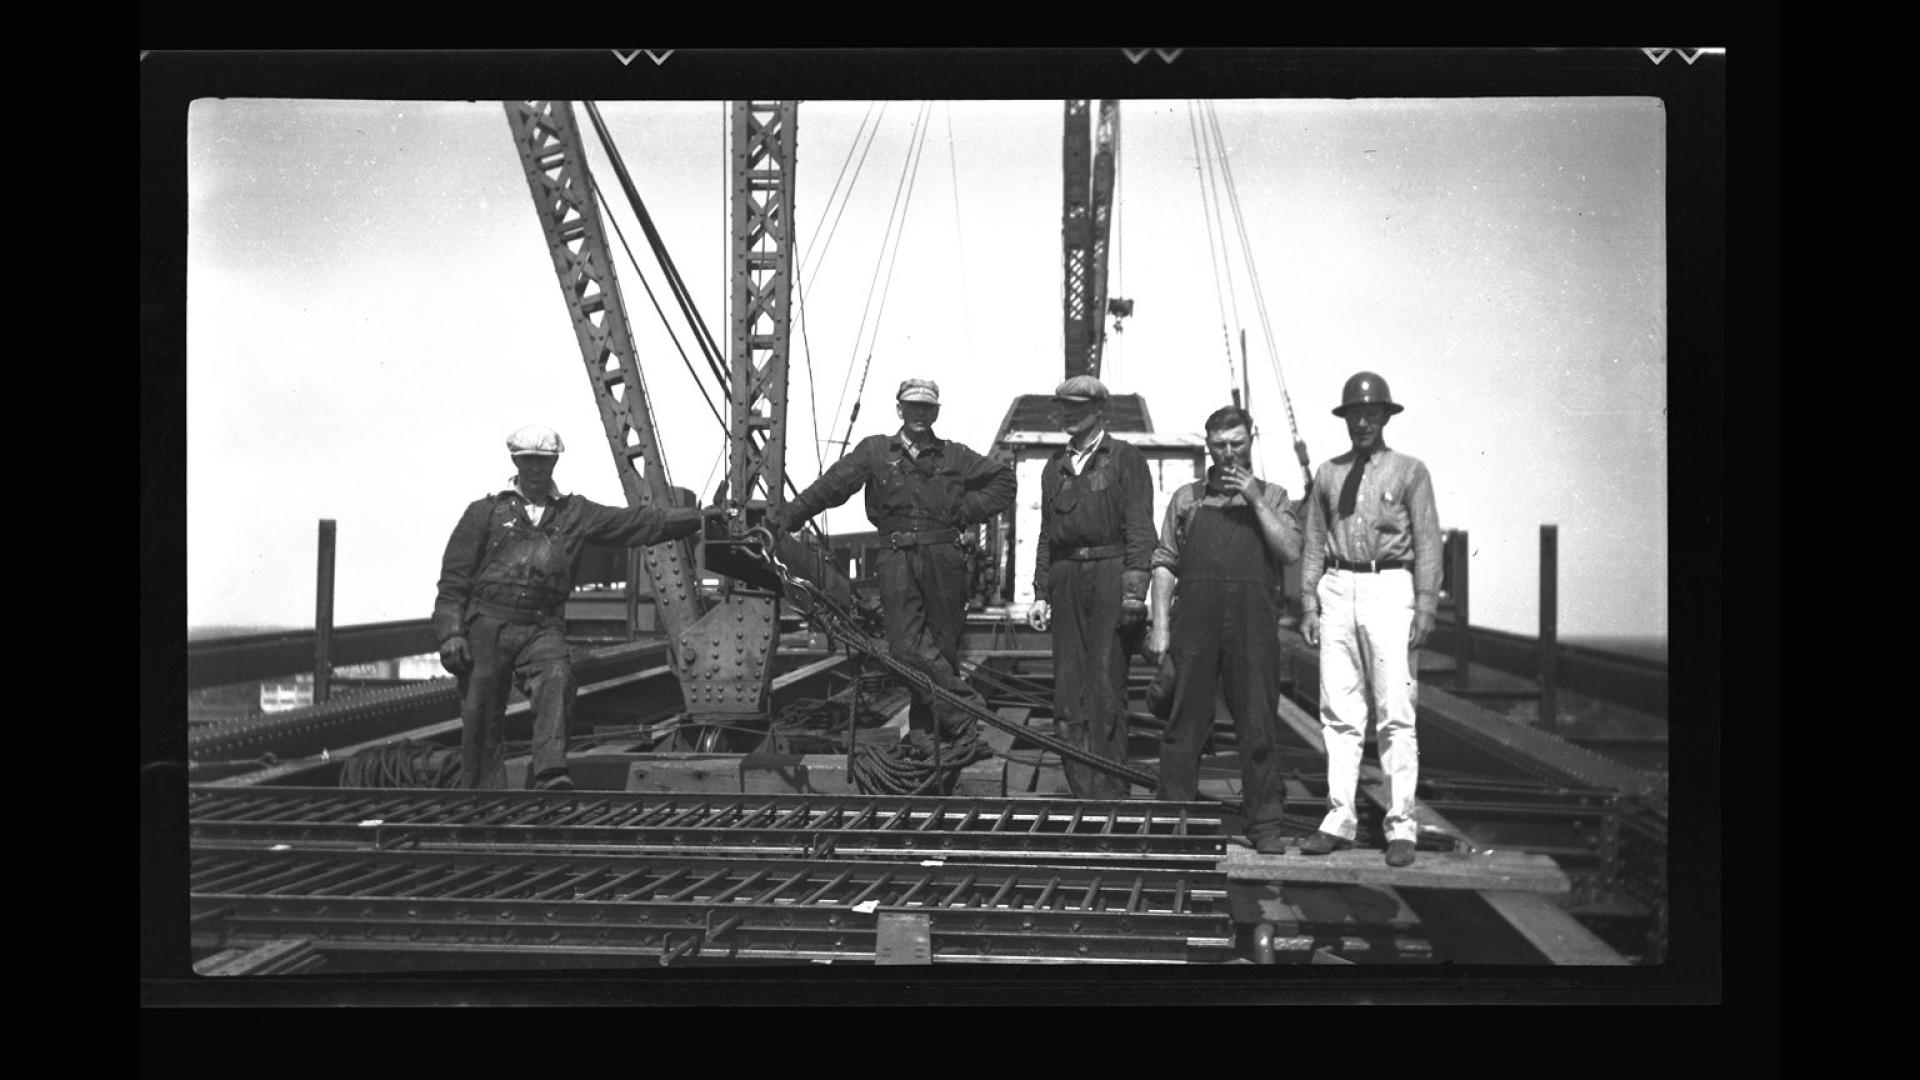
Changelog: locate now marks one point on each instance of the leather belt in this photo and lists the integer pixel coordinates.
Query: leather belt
(1096, 551)
(901, 540)
(515, 615)
(1369, 567)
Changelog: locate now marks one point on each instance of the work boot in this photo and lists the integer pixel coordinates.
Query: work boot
(556, 782)
(1273, 844)
(1400, 853)
(1324, 843)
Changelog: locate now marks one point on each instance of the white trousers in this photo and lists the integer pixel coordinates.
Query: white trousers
(1364, 659)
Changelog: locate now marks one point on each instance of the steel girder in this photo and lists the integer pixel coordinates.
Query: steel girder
(554, 160)
(1106, 137)
(1085, 225)
(729, 652)
(1075, 230)
(763, 241)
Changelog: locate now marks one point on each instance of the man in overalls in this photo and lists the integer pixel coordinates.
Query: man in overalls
(1091, 568)
(1216, 603)
(922, 491)
(501, 611)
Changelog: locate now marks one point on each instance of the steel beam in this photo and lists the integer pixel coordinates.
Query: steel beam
(253, 657)
(355, 720)
(1631, 682)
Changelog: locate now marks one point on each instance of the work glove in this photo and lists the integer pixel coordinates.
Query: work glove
(454, 655)
(1040, 615)
(681, 521)
(778, 519)
(1133, 600)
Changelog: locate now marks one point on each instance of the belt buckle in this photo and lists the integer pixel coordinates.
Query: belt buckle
(1373, 566)
(894, 539)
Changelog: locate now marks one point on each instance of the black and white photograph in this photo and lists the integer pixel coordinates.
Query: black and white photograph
(958, 514)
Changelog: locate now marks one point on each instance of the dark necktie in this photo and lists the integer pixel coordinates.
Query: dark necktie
(1350, 491)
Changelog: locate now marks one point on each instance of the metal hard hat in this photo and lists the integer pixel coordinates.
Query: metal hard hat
(1081, 388)
(534, 439)
(919, 390)
(1366, 388)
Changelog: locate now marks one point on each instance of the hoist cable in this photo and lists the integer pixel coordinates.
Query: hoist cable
(675, 282)
(657, 310)
(895, 214)
(820, 257)
(959, 234)
(1259, 292)
(1213, 258)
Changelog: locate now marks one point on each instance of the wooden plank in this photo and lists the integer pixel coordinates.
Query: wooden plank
(1506, 871)
(1548, 928)
(1373, 782)
(717, 773)
(983, 779)
(1002, 741)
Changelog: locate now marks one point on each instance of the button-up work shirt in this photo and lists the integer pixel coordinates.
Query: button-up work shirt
(944, 483)
(1393, 519)
(1189, 498)
(1107, 498)
(1078, 456)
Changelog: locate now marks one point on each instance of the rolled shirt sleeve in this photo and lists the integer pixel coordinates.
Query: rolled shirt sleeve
(1166, 553)
(1313, 546)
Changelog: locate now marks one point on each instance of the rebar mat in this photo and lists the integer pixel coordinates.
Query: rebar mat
(812, 825)
(492, 906)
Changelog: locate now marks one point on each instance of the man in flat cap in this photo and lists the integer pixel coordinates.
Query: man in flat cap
(500, 613)
(922, 492)
(1092, 565)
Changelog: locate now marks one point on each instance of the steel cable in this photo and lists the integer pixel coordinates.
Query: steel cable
(817, 606)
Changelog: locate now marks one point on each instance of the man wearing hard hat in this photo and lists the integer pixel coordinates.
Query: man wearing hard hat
(1369, 588)
(922, 491)
(1091, 568)
(504, 583)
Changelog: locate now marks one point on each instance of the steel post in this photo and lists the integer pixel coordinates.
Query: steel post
(1457, 576)
(1549, 619)
(323, 616)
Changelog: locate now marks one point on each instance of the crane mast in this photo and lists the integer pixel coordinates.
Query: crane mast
(553, 158)
(1085, 228)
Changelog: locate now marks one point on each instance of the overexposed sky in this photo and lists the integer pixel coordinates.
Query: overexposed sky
(371, 309)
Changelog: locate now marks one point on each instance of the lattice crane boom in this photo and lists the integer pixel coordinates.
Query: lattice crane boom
(553, 159)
